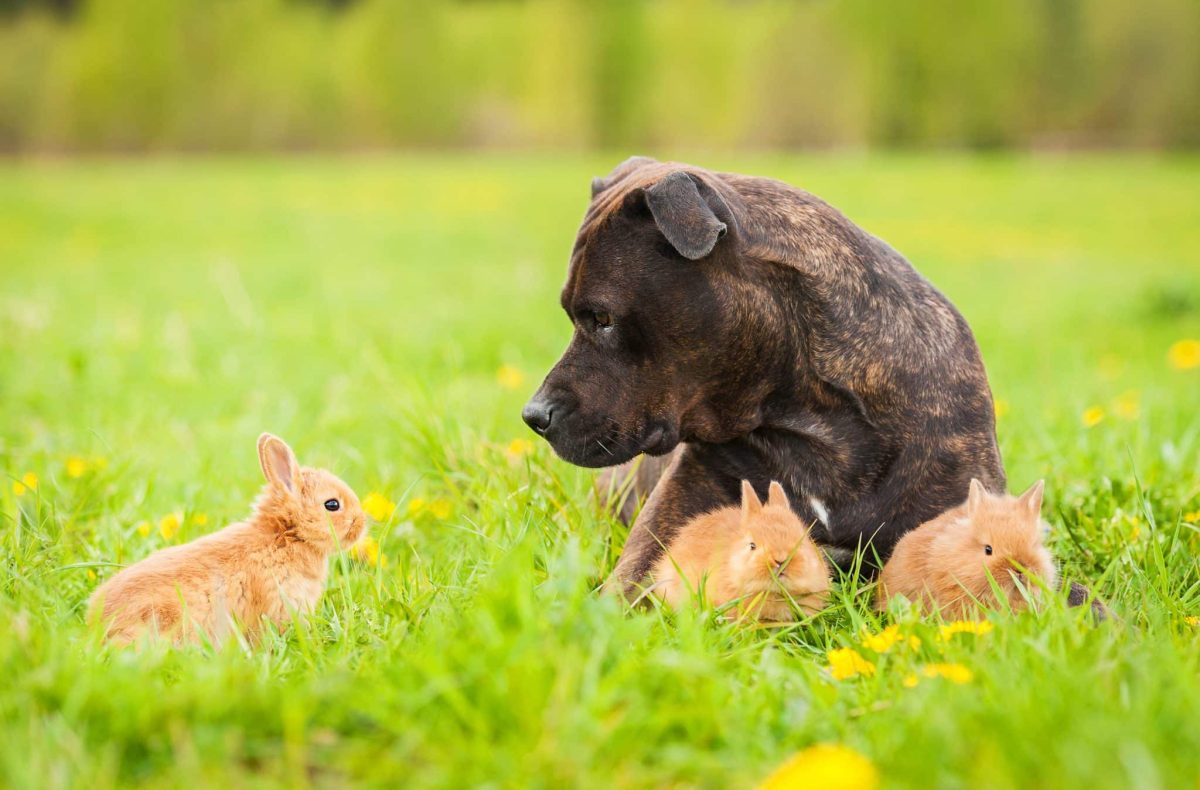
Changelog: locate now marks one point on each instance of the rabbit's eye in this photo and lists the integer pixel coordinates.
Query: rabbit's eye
(332, 505)
(753, 547)
(987, 550)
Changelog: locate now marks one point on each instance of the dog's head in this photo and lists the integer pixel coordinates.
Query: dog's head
(653, 293)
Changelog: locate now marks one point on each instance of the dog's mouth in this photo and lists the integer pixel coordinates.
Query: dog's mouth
(660, 440)
(614, 445)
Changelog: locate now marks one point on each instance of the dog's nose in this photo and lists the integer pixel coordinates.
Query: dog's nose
(537, 415)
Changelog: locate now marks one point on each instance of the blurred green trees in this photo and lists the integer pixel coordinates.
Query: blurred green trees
(146, 75)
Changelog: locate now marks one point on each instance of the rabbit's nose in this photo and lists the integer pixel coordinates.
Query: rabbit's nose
(780, 564)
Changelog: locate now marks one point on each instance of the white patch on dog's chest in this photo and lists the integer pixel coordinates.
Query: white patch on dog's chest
(819, 508)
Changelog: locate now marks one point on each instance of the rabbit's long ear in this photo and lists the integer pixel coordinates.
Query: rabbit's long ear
(278, 463)
(1031, 500)
(975, 497)
(776, 496)
(751, 505)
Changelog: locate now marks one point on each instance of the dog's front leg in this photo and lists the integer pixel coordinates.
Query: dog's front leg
(687, 488)
(626, 488)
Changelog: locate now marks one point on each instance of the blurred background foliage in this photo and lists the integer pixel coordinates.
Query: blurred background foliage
(154, 75)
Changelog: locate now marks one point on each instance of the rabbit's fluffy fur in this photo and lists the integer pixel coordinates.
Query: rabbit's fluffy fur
(950, 562)
(760, 556)
(272, 565)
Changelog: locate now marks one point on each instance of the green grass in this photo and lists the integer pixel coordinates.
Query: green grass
(160, 314)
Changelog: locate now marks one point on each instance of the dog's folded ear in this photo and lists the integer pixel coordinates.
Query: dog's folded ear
(685, 216)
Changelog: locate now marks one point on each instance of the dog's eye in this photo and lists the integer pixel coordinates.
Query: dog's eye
(753, 547)
(332, 505)
(602, 320)
(987, 550)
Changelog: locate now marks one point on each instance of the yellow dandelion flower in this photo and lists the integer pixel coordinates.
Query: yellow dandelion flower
(1001, 407)
(76, 467)
(378, 506)
(169, 525)
(91, 574)
(910, 681)
(415, 506)
(1184, 354)
(1127, 406)
(1136, 531)
(888, 638)
(143, 528)
(366, 550)
(1092, 416)
(200, 519)
(882, 641)
(976, 627)
(846, 662)
(1193, 517)
(440, 509)
(517, 448)
(509, 377)
(28, 482)
(955, 673)
(372, 554)
(827, 765)
(1192, 620)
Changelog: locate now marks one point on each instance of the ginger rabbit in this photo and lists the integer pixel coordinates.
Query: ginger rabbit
(272, 565)
(759, 556)
(951, 561)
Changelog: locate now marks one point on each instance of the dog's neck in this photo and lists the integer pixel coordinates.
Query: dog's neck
(800, 418)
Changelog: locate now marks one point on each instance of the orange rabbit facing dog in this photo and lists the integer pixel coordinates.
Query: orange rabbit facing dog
(951, 561)
(760, 556)
(272, 565)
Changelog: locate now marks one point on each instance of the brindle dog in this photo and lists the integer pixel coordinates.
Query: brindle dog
(748, 330)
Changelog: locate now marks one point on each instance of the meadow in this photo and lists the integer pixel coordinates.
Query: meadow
(389, 315)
